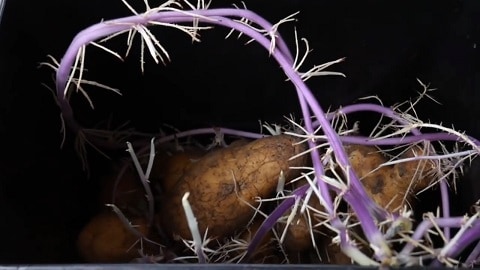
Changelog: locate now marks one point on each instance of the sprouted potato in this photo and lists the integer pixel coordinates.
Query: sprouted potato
(225, 185)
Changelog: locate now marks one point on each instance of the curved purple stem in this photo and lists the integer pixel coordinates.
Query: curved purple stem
(388, 112)
(473, 257)
(469, 236)
(424, 226)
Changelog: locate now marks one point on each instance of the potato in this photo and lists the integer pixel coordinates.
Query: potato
(298, 235)
(266, 251)
(105, 239)
(170, 169)
(419, 173)
(225, 184)
(167, 168)
(389, 186)
(297, 242)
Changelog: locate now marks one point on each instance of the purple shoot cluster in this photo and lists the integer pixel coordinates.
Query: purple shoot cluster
(317, 128)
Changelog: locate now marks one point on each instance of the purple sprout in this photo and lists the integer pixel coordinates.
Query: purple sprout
(404, 129)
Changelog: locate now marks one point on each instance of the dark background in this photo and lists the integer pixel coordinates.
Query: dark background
(45, 196)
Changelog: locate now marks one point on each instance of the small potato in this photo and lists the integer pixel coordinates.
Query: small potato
(105, 239)
(299, 233)
(298, 238)
(266, 251)
(225, 184)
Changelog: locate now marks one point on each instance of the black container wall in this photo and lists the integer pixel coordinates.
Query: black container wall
(45, 197)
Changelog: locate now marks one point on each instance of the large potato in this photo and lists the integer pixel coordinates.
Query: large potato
(225, 184)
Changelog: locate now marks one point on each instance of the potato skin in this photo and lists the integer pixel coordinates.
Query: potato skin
(170, 169)
(390, 186)
(298, 237)
(223, 183)
(267, 249)
(106, 240)
(420, 172)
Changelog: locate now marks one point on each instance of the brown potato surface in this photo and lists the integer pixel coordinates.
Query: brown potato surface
(223, 183)
(105, 239)
(170, 169)
(390, 186)
(298, 237)
(267, 250)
